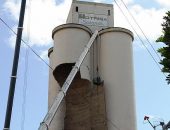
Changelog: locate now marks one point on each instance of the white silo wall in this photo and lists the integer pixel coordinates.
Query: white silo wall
(116, 69)
(52, 82)
(53, 90)
(69, 42)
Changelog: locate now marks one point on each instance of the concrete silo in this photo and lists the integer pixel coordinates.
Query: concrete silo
(116, 69)
(101, 96)
(63, 55)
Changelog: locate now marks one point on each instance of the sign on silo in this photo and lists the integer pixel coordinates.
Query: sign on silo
(93, 15)
(93, 20)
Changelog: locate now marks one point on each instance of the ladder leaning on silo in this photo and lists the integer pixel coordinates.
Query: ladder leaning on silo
(51, 113)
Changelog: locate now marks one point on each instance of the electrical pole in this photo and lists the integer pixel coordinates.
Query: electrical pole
(15, 67)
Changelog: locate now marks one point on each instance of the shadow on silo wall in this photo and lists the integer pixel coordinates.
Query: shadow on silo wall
(85, 105)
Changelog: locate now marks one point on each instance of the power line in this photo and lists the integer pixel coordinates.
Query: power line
(141, 29)
(7, 26)
(127, 21)
(24, 90)
(26, 72)
(26, 44)
(26, 66)
(139, 37)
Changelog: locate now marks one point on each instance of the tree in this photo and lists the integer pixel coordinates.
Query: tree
(165, 51)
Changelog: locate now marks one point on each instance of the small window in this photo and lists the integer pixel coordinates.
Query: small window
(109, 12)
(77, 9)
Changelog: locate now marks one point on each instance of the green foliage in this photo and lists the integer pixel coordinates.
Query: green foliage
(165, 51)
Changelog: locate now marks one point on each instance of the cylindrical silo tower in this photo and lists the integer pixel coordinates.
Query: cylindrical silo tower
(69, 42)
(116, 69)
(101, 96)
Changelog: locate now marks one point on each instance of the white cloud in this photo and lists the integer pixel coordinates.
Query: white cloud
(128, 1)
(148, 19)
(99, 1)
(41, 19)
(12, 40)
(13, 7)
(165, 3)
(44, 15)
(44, 55)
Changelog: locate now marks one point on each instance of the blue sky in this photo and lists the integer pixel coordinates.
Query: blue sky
(152, 91)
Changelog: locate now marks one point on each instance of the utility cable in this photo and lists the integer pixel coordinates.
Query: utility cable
(26, 44)
(25, 76)
(25, 89)
(8, 26)
(139, 37)
(26, 70)
(141, 29)
(52, 68)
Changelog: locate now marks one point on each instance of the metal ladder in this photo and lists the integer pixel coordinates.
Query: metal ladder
(51, 113)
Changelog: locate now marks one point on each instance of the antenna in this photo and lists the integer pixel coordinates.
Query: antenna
(164, 126)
